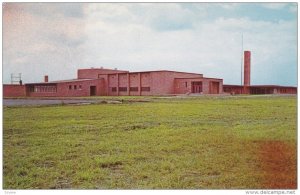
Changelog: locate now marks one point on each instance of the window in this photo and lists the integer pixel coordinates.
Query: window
(145, 88)
(31, 88)
(185, 84)
(75, 87)
(43, 89)
(70, 87)
(283, 91)
(80, 87)
(51, 89)
(113, 89)
(134, 88)
(122, 88)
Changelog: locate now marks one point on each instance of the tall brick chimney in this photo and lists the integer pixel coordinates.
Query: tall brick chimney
(46, 79)
(247, 63)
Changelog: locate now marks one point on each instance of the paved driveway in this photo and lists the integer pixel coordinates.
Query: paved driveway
(31, 102)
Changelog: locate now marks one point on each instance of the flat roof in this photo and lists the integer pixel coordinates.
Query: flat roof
(258, 86)
(189, 78)
(271, 86)
(233, 85)
(159, 71)
(126, 71)
(63, 81)
(212, 78)
(197, 78)
(106, 69)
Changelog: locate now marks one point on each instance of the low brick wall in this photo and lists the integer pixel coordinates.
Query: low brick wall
(14, 90)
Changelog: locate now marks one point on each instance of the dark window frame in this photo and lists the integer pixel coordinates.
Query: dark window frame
(146, 89)
(43, 89)
(123, 89)
(134, 89)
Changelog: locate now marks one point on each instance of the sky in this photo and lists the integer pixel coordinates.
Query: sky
(56, 39)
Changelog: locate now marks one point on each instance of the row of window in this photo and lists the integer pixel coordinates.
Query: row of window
(283, 90)
(43, 89)
(53, 89)
(113, 76)
(124, 89)
(75, 87)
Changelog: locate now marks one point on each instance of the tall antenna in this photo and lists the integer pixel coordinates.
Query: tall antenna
(15, 79)
(242, 59)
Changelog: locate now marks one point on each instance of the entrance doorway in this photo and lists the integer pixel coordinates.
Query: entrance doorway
(214, 87)
(92, 90)
(197, 87)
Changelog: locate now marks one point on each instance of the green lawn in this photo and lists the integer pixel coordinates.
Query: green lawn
(181, 143)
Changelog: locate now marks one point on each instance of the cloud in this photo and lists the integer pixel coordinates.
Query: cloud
(147, 36)
(293, 8)
(32, 43)
(212, 49)
(228, 6)
(275, 6)
(164, 17)
(161, 17)
(69, 10)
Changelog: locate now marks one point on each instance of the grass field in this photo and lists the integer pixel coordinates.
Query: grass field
(179, 143)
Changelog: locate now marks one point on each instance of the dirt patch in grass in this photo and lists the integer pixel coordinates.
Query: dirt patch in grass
(279, 165)
(113, 165)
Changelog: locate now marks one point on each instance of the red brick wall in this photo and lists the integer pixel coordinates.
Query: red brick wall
(64, 91)
(160, 82)
(181, 88)
(94, 73)
(14, 91)
(163, 82)
(123, 80)
(232, 89)
(180, 85)
(112, 82)
(275, 89)
(146, 79)
(134, 82)
(104, 84)
(287, 90)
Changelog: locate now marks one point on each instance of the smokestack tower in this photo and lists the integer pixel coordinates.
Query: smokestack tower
(247, 63)
(46, 78)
